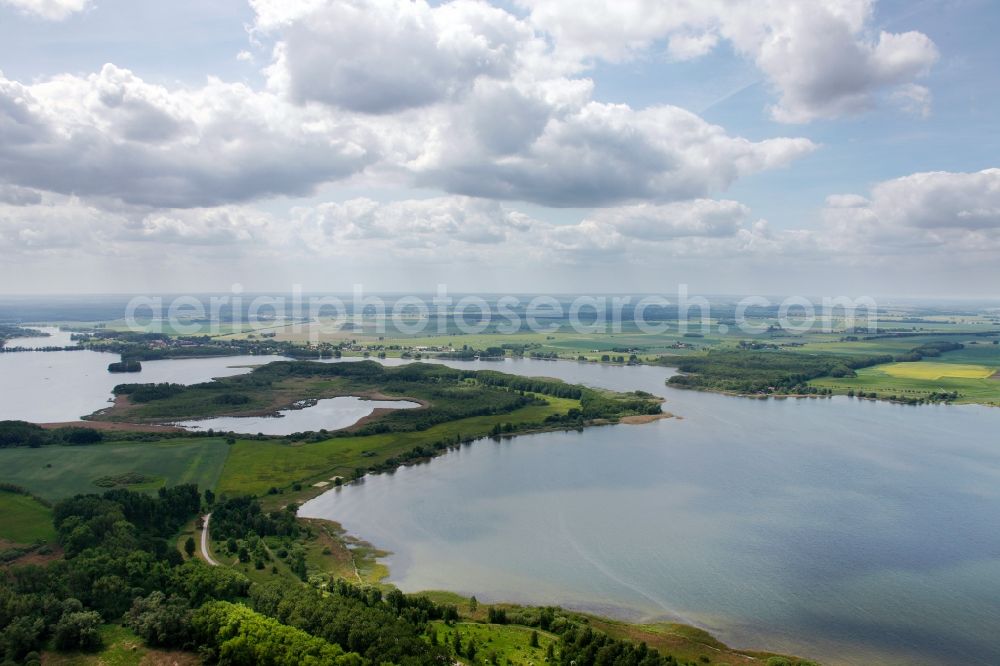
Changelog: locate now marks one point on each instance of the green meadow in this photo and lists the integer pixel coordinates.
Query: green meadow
(255, 466)
(497, 643)
(56, 472)
(24, 520)
(984, 391)
(121, 647)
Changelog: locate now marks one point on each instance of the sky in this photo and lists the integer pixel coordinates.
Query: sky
(821, 147)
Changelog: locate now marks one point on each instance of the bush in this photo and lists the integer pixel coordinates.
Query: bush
(78, 631)
(148, 392)
(231, 399)
(160, 621)
(80, 436)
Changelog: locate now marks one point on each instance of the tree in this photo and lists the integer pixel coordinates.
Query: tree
(473, 604)
(78, 631)
(189, 546)
(497, 615)
(534, 639)
(160, 621)
(241, 636)
(20, 637)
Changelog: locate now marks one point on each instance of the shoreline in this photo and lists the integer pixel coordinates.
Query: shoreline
(662, 630)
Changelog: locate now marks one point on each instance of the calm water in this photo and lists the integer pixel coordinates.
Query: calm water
(55, 338)
(851, 531)
(331, 414)
(47, 387)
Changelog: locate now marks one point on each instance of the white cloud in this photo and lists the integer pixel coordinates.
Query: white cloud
(587, 153)
(384, 56)
(54, 222)
(464, 229)
(942, 211)
(52, 10)
(411, 226)
(913, 99)
(818, 54)
(469, 99)
(19, 196)
(702, 217)
(111, 134)
(950, 217)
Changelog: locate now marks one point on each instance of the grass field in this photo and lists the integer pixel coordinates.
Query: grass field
(56, 472)
(121, 648)
(935, 370)
(255, 466)
(25, 520)
(984, 391)
(496, 643)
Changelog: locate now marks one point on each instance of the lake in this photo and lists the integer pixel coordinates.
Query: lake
(329, 414)
(49, 387)
(852, 531)
(56, 338)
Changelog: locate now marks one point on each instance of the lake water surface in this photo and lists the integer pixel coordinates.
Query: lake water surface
(852, 531)
(329, 414)
(47, 387)
(56, 338)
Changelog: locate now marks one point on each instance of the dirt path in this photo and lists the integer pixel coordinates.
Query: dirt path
(204, 542)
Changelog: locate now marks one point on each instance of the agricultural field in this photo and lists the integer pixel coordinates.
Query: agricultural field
(936, 370)
(56, 472)
(24, 520)
(981, 390)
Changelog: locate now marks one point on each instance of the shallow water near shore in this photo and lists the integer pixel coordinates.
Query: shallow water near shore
(52, 387)
(850, 531)
(328, 414)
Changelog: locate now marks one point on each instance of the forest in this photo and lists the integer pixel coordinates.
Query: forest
(120, 567)
(765, 371)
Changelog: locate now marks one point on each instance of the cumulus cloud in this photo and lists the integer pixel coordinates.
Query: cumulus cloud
(111, 134)
(52, 10)
(470, 99)
(413, 222)
(19, 196)
(423, 230)
(940, 214)
(51, 222)
(702, 217)
(587, 153)
(384, 56)
(819, 55)
(938, 210)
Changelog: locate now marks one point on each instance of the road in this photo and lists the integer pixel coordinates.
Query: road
(204, 542)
